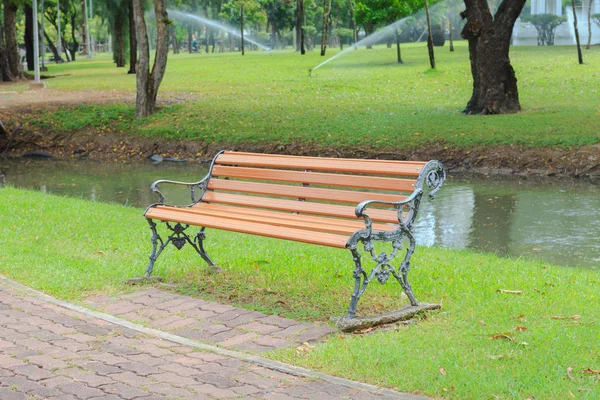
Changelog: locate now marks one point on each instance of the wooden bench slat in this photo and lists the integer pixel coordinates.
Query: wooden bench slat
(298, 206)
(280, 219)
(354, 224)
(366, 160)
(337, 165)
(343, 196)
(316, 178)
(228, 224)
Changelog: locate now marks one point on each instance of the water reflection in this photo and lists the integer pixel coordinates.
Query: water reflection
(554, 220)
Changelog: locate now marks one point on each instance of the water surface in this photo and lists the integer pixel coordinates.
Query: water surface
(555, 220)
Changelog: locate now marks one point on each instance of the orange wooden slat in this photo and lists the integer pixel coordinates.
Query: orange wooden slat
(329, 158)
(316, 178)
(318, 224)
(317, 164)
(228, 224)
(343, 196)
(297, 206)
(353, 223)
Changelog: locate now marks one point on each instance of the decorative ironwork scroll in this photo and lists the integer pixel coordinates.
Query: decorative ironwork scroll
(179, 238)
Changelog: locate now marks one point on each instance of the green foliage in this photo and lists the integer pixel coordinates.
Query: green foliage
(596, 19)
(483, 344)
(545, 25)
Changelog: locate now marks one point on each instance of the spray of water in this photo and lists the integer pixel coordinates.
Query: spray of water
(385, 32)
(235, 32)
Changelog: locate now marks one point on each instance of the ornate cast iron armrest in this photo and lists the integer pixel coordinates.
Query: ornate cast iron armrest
(412, 202)
(193, 186)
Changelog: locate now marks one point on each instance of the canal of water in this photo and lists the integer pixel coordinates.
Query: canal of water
(554, 220)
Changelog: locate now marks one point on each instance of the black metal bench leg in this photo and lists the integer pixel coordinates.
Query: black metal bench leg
(198, 245)
(156, 250)
(360, 282)
(402, 277)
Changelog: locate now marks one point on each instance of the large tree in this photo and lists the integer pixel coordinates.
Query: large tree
(494, 81)
(148, 82)
(14, 68)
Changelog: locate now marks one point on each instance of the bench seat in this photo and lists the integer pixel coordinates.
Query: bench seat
(323, 201)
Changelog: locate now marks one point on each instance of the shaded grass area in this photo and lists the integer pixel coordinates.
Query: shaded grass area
(484, 343)
(361, 100)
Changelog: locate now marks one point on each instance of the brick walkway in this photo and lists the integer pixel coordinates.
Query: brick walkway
(53, 353)
(208, 322)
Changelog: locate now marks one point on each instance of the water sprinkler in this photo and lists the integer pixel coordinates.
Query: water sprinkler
(310, 72)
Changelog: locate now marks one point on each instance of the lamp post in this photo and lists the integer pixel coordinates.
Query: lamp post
(59, 47)
(92, 36)
(36, 45)
(87, 29)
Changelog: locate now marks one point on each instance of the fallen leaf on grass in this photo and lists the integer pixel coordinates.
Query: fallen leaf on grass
(510, 291)
(571, 393)
(566, 317)
(520, 328)
(569, 370)
(520, 317)
(505, 336)
(101, 252)
(590, 371)
(442, 371)
(500, 356)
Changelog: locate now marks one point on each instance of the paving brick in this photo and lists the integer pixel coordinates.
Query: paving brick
(131, 379)
(199, 313)
(124, 391)
(217, 308)
(243, 319)
(168, 390)
(99, 367)
(218, 380)
(9, 362)
(259, 327)
(180, 369)
(315, 334)
(20, 383)
(294, 330)
(56, 382)
(106, 397)
(147, 359)
(173, 379)
(213, 391)
(92, 379)
(238, 339)
(273, 342)
(81, 391)
(221, 336)
(9, 394)
(32, 372)
(256, 380)
(229, 315)
(278, 321)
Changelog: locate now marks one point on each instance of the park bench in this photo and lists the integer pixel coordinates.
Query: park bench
(332, 202)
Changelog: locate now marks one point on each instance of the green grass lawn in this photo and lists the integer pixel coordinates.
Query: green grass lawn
(483, 344)
(362, 100)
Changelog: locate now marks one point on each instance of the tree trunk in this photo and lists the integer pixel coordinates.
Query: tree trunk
(28, 37)
(429, 38)
(324, 32)
(273, 34)
(148, 82)
(589, 21)
(75, 44)
(494, 81)
(65, 47)
(242, 25)
(15, 68)
(398, 47)
(174, 39)
(369, 29)
(5, 75)
(190, 39)
(299, 31)
(579, 55)
(302, 48)
(84, 38)
(352, 21)
(132, 41)
(53, 48)
(450, 33)
(119, 39)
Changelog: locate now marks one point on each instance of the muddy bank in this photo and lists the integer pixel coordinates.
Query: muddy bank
(581, 162)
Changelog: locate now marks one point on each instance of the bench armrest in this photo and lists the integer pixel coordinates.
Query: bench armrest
(412, 202)
(193, 186)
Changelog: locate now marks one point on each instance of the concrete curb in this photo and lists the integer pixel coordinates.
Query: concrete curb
(261, 361)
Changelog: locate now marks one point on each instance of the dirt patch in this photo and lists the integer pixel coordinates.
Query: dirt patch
(89, 143)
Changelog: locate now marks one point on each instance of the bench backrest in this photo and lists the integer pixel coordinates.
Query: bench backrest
(311, 185)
